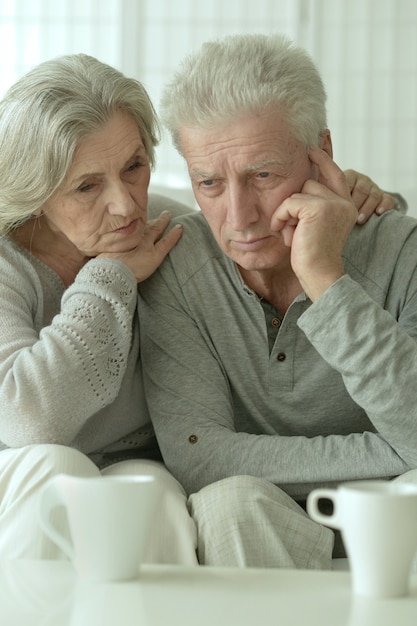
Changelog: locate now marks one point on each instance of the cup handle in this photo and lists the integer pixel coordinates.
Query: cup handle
(51, 497)
(313, 509)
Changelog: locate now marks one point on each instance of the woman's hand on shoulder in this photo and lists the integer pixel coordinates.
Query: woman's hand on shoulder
(367, 196)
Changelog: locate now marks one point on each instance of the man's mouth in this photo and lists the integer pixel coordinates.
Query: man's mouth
(249, 245)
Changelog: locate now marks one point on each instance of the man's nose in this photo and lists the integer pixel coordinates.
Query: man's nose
(242, 208)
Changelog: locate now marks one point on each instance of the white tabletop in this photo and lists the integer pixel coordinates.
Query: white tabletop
(49, 594)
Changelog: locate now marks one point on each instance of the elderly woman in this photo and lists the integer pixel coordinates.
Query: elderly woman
(77, 145)
(76, 148)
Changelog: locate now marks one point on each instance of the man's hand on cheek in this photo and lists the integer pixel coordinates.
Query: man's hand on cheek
(316, 224)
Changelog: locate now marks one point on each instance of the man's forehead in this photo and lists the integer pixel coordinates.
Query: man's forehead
(207, 169)
(248, 144)
(265, 163)
(247, 129)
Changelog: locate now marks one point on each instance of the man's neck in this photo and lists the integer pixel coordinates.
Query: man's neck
(280, 287)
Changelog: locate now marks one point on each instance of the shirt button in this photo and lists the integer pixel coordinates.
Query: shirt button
(281, 356)
(276, 322)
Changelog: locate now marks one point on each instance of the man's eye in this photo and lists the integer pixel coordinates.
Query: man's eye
(134, 166)
(208, 183)
(264, 174)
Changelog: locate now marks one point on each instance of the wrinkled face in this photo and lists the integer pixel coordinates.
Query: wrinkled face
(102, 204)
(240, 174)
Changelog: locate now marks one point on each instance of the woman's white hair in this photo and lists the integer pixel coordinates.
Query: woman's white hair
(45, 115)
(243, 74)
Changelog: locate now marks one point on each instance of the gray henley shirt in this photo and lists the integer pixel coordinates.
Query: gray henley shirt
(332, 397)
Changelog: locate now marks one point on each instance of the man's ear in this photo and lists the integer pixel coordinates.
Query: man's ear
(325, 142)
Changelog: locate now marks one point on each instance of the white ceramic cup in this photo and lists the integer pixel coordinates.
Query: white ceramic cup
(109, 520)
(378, 521)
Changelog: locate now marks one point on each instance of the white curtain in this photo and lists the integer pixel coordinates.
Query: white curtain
(32, 31)
(365, 49)
(367, 53)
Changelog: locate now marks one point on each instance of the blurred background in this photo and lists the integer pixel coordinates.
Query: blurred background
(366, 51)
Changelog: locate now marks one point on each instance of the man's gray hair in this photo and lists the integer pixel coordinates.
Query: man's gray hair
(244, 74)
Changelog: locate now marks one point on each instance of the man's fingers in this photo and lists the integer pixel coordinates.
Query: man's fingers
(330, 174)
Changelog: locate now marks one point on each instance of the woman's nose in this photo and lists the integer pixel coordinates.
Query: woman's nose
(119, 200)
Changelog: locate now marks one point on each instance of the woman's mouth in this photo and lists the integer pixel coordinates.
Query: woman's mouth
(129, 229)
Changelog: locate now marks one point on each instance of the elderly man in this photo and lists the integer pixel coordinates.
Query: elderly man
(279, 338)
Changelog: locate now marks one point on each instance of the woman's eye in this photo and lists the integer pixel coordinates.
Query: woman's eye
(136, 165)
(85, 187)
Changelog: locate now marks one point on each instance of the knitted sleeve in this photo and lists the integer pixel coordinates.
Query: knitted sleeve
(54, 376)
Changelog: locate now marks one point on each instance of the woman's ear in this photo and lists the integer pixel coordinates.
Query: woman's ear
(325, 142)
